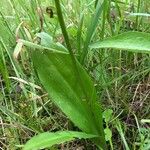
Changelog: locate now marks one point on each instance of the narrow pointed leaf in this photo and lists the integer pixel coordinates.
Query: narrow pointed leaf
(48, 139)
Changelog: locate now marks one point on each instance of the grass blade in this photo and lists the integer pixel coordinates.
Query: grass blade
(91, 28)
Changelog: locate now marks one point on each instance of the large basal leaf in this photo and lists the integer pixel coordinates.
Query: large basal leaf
(72, 91)
(56, 73)
(131, 41)
(48, 139)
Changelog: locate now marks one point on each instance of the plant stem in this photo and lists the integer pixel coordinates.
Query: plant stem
(137, 17)
(63, 27)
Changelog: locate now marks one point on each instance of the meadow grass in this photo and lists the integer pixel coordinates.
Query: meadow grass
(121, 78)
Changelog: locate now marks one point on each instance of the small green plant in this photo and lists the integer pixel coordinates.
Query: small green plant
(71, 88)
(99, 62)
(107, 115)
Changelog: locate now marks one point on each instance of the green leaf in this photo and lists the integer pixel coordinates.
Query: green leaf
(108, 134)
(76, 98)
(46, 40)
(47, 139)
(131, 41)
(57, 74)
(107, 114)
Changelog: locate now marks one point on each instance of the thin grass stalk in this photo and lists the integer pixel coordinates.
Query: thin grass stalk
(104, 20)
(16, 68)
(91, 29)
(79, 33)
(137, 17)
(63, 27)
(3, 69)
(109, 18)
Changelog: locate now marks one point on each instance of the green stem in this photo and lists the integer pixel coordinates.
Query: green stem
(137, 17)
(63, 27)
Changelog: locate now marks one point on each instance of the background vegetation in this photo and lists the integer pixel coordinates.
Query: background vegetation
(121, 78)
